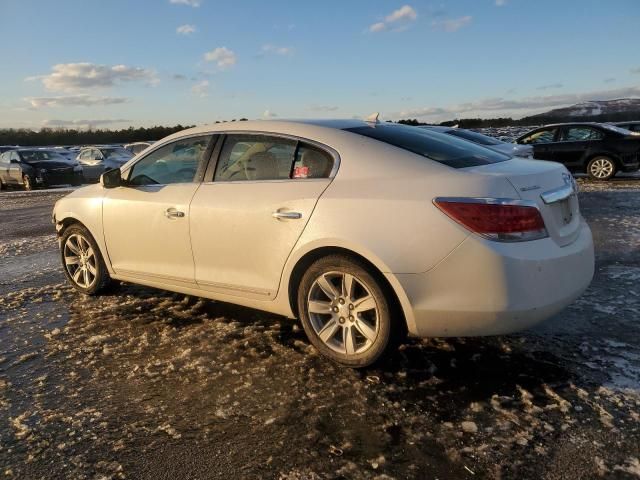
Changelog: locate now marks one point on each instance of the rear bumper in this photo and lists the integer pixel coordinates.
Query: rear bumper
(490, 288)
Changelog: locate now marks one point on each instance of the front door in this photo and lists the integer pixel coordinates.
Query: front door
(543, 142)
(146, 222)
(246, 221)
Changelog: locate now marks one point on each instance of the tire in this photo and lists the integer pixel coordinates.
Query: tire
(601, 168)
(26, 182)
(354, 328)
(82, 261)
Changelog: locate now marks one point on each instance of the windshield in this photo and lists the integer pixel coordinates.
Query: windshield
(439, 147)
(35, 156)
(474, 137)
(115, 152)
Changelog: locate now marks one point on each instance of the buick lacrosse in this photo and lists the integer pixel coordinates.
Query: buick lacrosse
(365, 231)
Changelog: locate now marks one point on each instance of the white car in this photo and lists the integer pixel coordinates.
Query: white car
(509, 148)
(364, 231)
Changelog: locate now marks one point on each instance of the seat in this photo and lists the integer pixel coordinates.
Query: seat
(262, 166)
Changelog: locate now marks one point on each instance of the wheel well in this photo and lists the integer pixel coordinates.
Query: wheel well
(305, 262)
(67, 222)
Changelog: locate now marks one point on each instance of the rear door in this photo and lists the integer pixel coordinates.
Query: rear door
(575, 144)
(146, 222)
(247, 218)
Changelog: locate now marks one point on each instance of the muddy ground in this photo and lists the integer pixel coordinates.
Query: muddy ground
(145, 384)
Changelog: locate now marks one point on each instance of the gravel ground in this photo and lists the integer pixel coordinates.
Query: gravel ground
(141, 383)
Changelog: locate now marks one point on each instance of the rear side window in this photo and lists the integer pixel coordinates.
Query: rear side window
(249, 157)
(580, 134)
(255, 157)
(439, 147)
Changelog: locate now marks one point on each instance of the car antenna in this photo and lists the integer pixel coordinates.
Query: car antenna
(373, 118)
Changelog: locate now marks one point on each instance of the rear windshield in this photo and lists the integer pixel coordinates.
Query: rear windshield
(474, 137)
(439, 147)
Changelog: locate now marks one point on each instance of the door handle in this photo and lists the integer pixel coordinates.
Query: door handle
(173, 213)
(286, 215)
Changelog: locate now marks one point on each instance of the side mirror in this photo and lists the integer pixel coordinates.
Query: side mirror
(111, 178)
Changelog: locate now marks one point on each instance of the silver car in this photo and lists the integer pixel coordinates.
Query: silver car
(511, 149)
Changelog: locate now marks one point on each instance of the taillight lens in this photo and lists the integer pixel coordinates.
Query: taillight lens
(499, 220)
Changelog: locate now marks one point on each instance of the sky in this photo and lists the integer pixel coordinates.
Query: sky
(120, 63)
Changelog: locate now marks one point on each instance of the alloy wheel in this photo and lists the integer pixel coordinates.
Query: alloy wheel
(601, 168)
(343, 313)
(80, 261)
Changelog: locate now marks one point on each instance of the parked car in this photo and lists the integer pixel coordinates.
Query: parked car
(98, 159)
(63, 152)
(31, 168)
(632, 126)
(512, 149)
(137, 147)
(598, 149)
(363, 230)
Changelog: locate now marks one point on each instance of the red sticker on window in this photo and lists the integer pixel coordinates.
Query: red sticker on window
(301, 172)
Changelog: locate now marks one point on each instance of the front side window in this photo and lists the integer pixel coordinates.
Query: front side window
(177, 162)
(541, 136)
(255, 157)
(580, 134)
(440, 147)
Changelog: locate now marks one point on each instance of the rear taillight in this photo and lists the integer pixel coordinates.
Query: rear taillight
(501, 220)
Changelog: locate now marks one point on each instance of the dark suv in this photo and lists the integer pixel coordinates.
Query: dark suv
(598, 149)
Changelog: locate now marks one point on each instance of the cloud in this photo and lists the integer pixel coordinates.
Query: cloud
(550, 86)
(83, 123)
(501, 3)
(82, 100)
(82, 76)
(609, 80)
(323, 108)
(635, 70)
(397, 20)
(452, 24)
(186, 29)
(268, 114)
(178, 76)
(201, 89)
(223, 57)
(190, 3)
(524, 106)
(269, 48)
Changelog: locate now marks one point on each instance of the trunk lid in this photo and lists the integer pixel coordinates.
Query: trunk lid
(550, 186)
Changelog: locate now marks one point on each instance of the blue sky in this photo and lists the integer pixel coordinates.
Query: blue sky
(114, 63)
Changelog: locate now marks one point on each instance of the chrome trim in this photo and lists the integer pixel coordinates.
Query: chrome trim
(287, 215)
(488, 201)
(557, 194)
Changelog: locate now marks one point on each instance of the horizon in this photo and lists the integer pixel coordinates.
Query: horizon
(113, 65)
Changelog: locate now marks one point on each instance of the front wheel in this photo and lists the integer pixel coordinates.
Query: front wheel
(82, 262)
(601, 168)
(344, 311)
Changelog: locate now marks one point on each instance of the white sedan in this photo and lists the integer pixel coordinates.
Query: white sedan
(365, 231)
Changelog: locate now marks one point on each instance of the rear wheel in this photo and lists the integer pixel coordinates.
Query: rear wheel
(83, 264)
(344, 311)
(601, 168)
(26, 182)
